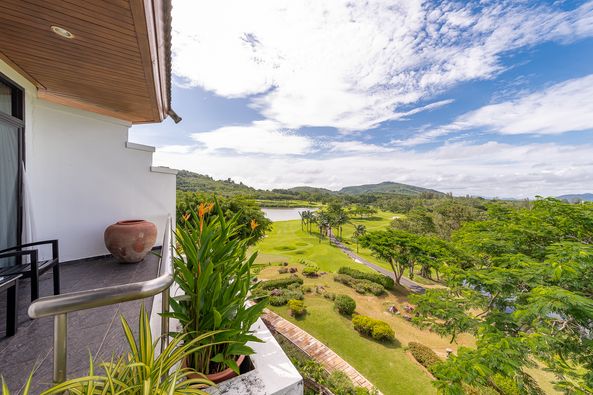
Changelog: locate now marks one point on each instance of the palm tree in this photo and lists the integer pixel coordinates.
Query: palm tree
(303, 215)
(340, 219)
(359, 230)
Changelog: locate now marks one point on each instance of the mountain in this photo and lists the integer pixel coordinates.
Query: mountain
(307, 189)
(387, 187)
(194, 182)
(577, 197)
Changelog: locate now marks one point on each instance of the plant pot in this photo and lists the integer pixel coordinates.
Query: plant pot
(219, 377)
(130, 241)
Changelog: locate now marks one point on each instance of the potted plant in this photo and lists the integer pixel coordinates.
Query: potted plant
(214, 273)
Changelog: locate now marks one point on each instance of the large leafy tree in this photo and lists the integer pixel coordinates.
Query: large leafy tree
(527, 296)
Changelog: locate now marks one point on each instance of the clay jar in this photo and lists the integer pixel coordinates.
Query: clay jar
(130, 241)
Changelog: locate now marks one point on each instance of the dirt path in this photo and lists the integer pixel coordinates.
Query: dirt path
(406, 282)
(314, 348)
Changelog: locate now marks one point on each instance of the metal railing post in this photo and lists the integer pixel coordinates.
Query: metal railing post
(60, 347)
(164, 319)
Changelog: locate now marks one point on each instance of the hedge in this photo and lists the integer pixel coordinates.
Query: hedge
(280, 283)
(377, 329)
(386, 281)
(345, 304)
(423, 354)
(360, 285)
(297, 307)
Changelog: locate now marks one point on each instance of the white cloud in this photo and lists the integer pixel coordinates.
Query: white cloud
(490, 169)
(352, 65)
(261, 137)
(564, 107)
(356, 146)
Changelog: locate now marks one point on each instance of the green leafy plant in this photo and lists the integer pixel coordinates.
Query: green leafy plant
(280, 283)
(213, 271)
(297, 307)
(377, 329)
(423, 354)
(310, 270)
(361, 286)
(385, 281)
(140, 371)
(345, 304)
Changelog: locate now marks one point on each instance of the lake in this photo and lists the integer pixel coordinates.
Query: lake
(285, 214)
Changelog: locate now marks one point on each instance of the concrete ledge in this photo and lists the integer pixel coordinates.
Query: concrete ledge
(140, 147)
(163, 169)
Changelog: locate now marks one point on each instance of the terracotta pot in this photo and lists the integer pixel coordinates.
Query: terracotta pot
(217, 377)
(130, 241)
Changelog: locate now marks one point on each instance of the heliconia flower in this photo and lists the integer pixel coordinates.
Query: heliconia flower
(185, 216)
(253, 224)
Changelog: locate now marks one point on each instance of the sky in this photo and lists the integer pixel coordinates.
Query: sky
(486, 98)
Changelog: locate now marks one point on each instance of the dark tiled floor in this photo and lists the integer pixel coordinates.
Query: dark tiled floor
(97, 331)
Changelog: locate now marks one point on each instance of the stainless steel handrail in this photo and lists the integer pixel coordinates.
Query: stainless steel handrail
(59, 306)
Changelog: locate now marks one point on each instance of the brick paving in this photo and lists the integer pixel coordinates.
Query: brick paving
(315, 349)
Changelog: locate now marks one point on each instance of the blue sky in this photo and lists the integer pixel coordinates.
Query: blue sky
(481, 98)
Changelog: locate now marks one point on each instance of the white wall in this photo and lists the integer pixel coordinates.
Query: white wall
(82, 177)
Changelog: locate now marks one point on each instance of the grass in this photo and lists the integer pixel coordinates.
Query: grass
(386, 365)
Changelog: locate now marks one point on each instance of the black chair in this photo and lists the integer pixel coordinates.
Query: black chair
(34, 268)
(11, 285)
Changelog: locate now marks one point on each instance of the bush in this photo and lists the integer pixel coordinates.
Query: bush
(310, 270)
(329, 295)
(283, 270)
(383, 332)
(385, 281)
(278, 300)
(293, 294)
(360, 286)
(307, 289)
(297, 307)
(339, 383)
(280, 283)
(377, 329)
(424, 355)
(345, 304)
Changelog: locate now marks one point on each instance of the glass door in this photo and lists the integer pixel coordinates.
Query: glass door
(11, 141)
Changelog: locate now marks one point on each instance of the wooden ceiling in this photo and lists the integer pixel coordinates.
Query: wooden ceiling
(117, 63)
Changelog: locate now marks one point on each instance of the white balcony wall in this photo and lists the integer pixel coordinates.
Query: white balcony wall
(82, 177)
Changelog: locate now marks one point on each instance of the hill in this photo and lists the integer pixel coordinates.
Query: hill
(194, 182)
(578, 197)
(387, 187)
(310, 190)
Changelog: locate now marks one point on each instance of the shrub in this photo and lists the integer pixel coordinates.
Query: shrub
(294, 294)
(363, 324)
(339, 383)
(283, 270)
(310, 270)
(382, 332)
(360, 286)
(345, 304)
(297, 307)
(385, 281)
(280, 283)
(423, 354)
(377, 329)
(307, 289)
(278, 300)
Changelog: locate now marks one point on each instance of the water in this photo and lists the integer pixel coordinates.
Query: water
(284, 214)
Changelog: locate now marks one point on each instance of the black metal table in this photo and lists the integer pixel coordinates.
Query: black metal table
(10, 283)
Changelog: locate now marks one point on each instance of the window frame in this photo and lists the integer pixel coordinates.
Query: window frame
(17, 119)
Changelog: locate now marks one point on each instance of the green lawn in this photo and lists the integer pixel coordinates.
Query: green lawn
(386, 366)
(286, 242)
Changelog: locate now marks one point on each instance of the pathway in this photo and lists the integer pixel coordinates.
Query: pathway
(406, 282)
(313, 348)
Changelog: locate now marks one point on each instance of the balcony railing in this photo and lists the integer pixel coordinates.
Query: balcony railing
(59, 306)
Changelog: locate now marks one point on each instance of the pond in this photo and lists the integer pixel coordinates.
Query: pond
(285, 214)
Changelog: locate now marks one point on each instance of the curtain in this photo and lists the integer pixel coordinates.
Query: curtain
(9, 148)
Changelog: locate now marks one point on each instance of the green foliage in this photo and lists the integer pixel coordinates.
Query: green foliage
(387, 187)
(505, 385)
(214, 273)
(361, 286)
(339, 383)
(297, 307)
(280, 283)
(310, 270)
(252, 224)
(385, 281)
(377, 329)
(423, 354)
(140, 370)
(345, 304)
(526, 295)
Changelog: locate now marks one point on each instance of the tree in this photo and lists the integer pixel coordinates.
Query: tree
(526, 296)
(359, 230)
